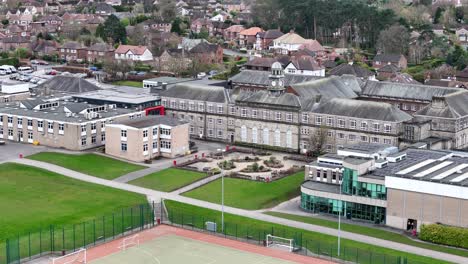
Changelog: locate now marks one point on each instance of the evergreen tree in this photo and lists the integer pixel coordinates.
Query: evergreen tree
(112, 30)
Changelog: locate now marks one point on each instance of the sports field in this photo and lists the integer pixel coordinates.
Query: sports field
(167, 244)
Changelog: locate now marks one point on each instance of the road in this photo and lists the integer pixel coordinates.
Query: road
(156, 196)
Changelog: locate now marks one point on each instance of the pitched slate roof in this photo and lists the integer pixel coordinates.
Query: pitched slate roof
(263, 97)
(261, 62)
(67, 84)
(360, 109)
(72, 45)
(103, 47)
(390, 68)
(448, 106)
(404, 91)
(332, 87)
(353, 69)
(306, 64)
(196, 91)
(204, 47)
(261, 78)
(272, 34)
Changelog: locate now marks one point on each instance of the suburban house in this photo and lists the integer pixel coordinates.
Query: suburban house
(156, 25)
(99, 52)
(462, 36)
(265, 39)
(201, 24)
(289, 43)
(398, 60)
(232, 33)
(305, 66)
(248, 37)
(134, 53)
(147, 138)
(72, 51)
(207, 53)
(352, 69)
(104, 9)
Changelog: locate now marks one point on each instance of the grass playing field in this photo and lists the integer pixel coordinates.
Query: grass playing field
(31, 198)
(169, 179)
(250, 195)
(129, 83)
(238, 225)
(369, 231)
(91, 164)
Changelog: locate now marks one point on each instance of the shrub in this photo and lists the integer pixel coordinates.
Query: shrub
(445, 235)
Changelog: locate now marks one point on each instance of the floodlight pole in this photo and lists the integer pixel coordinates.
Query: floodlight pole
(222, 201)
(339, 218)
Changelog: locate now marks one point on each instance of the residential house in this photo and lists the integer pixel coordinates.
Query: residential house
(173, 60)
(387, 71)
(202, 24)
(114, 2)
(462, 36)
(207, 53)
(72, 51)
(231, 34)
(381, 60)
(352, 69)
(17, 30)
(133, 53)
(248, 37)
(289, 43)
(104, 9)
(52, 8)
(158, 25)
(99, 52)
(305, 66)
(14, 42)
(43, 47)
(265, 39)
(23, 19)
(219, 28)
(260, 64)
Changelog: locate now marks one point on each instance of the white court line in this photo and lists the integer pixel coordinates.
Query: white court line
(149, 254)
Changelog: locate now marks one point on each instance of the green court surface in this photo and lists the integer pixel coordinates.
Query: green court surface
(173, 249)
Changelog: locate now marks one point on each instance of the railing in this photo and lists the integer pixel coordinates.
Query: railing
(60, 240)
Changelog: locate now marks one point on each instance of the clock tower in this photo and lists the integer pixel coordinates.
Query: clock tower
(276, 78)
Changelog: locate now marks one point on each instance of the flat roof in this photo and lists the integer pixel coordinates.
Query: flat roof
(150, 121)
(429, 165)
(58, 114)
(120, 94)
(321, 186)
(366, 147)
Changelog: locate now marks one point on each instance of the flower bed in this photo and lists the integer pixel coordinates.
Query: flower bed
(273, 162)
(226, 165)
(246, 159)
(255, 168)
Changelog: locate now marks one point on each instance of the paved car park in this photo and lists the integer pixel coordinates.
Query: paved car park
(12, 150)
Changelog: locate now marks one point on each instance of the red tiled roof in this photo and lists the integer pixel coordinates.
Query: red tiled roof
(138, 50)
(251, 31)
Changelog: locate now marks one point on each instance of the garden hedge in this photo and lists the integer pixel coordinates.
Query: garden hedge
(445, 235)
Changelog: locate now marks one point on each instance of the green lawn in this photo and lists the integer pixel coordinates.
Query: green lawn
(369, 231)
(169, 179)
(129, 83)
(316, 242)
(91, 164)
(31, 198)
(248, 194)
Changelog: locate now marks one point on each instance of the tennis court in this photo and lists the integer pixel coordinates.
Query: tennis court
(171, 245)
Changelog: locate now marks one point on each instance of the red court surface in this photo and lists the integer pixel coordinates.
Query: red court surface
(113, 248)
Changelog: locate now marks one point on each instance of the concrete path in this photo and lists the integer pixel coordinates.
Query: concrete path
(197, 184)
(156, 195)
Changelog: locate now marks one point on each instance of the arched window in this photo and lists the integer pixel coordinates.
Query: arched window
(289, 139)
(266, 136)
(277, 137)
(244, 134)
(254, 135)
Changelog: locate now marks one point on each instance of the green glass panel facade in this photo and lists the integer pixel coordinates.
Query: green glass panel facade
(352, 186)
(350, 210)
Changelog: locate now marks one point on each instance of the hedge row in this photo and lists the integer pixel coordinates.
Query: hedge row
(445, 235)
(10, 61)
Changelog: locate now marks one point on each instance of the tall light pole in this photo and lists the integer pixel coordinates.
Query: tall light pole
(339, 218)
(222, 201)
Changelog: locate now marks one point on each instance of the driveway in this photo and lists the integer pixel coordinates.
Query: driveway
(12, 150)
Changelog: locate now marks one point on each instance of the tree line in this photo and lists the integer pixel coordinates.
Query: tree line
(354, 22)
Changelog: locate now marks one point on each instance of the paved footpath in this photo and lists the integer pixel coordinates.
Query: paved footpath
(156, 196)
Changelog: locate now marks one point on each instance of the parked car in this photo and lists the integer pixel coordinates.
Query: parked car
(14, 76)
(201, 75)
(34, 80)
(141, 73)
(2, 142)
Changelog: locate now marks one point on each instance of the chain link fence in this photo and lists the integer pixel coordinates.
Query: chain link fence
(255, 235)
(60, 240)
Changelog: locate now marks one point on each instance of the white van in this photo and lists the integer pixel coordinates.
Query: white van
(6, 68)
(25, 69)
(12, 68)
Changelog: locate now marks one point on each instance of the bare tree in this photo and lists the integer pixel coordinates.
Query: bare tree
(117, 69)
(318, 141)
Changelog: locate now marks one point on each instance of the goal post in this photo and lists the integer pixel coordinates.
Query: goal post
(276, 241)
(130, 241)
(76, 257)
